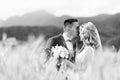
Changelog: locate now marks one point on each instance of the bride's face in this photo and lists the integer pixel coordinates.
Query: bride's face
(84, 35)
(86, 39)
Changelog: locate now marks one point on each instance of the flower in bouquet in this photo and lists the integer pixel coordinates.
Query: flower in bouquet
(64, 53)
(60, 51)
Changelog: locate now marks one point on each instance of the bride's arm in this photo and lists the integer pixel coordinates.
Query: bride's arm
(68, 65)
(85, 57)
(82, 60)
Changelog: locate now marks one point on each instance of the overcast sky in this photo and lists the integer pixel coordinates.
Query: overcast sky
(59, 7)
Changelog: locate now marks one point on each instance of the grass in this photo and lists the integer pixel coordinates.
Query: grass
(25, 61)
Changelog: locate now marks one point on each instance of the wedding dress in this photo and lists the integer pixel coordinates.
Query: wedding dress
(75, 71)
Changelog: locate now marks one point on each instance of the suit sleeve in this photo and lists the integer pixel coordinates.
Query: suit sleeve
(48, 48)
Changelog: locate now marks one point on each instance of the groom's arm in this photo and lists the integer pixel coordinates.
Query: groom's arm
(48, 48)
(71, 57)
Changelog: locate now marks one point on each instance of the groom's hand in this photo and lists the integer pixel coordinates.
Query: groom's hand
(71, 55)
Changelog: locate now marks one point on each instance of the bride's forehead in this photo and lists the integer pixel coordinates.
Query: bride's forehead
(83, 29)
(87, 29)
(88, 25)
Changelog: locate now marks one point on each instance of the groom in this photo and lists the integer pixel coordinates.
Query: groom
(67, 39)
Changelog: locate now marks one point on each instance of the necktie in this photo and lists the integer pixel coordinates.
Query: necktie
(69, 45)
(72, 51)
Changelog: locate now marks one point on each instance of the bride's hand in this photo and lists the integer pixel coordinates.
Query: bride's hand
(68, 65)
(85, 58)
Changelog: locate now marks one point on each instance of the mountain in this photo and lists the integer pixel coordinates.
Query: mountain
(107, 25)
(38, 18)
(34, 18)
(1, 22)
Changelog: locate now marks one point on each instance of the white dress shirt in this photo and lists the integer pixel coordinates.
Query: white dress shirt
(68, 43)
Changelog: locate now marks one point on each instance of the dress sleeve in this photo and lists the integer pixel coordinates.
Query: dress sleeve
(85, 57)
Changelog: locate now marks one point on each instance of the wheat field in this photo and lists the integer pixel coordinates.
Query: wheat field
(25, 61)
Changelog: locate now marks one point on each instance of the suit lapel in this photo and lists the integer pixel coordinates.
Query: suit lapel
(63, 41)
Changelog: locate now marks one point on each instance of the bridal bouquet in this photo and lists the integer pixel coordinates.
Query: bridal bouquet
(60, 51)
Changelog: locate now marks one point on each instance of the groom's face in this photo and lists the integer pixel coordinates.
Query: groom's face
(71, 29)
(74, 28)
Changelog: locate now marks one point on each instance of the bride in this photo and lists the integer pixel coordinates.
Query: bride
(89, 35)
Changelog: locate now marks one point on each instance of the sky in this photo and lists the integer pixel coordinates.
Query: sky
(81, 8)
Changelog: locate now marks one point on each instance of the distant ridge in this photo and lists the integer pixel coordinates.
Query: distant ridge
(107, 25)
(33, 18)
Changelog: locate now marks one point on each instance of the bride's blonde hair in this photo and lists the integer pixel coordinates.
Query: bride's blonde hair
(94, 38)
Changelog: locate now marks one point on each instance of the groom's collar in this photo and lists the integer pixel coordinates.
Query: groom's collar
(66, 38)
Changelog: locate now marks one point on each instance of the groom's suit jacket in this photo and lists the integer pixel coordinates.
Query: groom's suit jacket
(59, 40)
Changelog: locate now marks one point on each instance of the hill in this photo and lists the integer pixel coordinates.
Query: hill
(107, 25)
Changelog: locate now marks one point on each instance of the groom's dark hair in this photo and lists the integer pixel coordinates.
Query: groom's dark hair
(69, 21)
